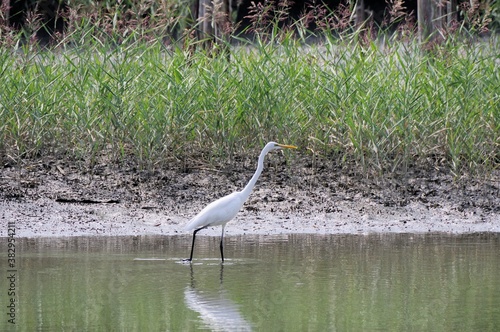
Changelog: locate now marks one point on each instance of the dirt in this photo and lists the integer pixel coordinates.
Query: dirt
(299, 194)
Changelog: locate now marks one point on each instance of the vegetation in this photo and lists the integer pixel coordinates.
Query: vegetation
(127, 91)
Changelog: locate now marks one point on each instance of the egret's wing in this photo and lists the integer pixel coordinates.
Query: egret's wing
(218, 212)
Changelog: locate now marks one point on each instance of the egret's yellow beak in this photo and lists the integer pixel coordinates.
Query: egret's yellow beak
(287, 146)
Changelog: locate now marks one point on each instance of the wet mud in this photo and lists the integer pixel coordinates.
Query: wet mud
(299, 194)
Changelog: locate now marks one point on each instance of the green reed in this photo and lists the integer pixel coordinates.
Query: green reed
(384, 104)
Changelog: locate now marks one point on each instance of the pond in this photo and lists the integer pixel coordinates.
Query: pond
(268, 283)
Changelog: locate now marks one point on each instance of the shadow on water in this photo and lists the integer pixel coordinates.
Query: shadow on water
(285, 282)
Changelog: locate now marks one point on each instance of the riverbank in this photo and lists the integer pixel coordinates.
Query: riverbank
(57, 198)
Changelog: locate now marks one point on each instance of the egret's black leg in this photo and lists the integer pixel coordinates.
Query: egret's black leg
(192, 245)
(222, 243)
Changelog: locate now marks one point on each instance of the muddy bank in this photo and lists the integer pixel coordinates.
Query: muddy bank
(294, 195)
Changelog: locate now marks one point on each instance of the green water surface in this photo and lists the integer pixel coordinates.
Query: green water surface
(390, 282)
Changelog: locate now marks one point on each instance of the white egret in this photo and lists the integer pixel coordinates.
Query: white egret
(225, 208)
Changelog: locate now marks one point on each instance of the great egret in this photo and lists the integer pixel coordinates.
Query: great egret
(224, 209)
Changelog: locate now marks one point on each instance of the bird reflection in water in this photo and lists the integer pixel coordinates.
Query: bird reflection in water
(215, 309)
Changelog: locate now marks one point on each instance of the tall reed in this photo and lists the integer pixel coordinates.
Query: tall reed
(383, 103)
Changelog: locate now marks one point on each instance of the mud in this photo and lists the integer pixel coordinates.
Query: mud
(299, 194)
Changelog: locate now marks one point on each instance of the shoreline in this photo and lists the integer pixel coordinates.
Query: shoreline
(57, 198)
(44, 218)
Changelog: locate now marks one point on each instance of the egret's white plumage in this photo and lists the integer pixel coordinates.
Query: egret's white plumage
(218, 212)
(224, 209)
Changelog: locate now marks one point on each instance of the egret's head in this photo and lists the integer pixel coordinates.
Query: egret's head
(276, 146)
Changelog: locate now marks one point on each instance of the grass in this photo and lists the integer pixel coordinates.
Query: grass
(383, 104)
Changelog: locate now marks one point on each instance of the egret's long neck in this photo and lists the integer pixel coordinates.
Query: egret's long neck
(260, 166)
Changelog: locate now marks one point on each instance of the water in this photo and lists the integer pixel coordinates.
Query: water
(268, 283)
